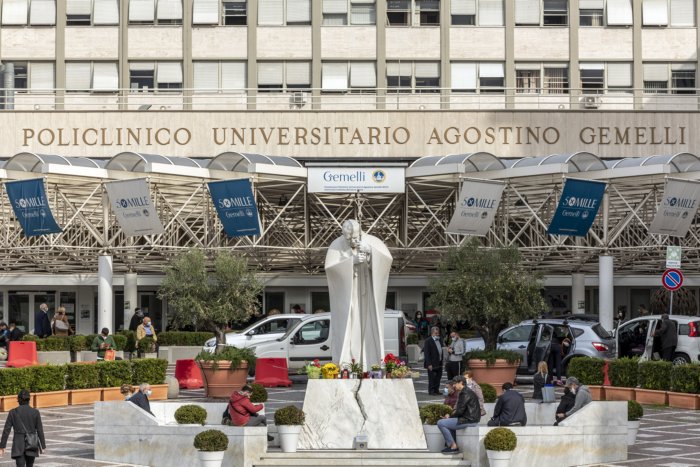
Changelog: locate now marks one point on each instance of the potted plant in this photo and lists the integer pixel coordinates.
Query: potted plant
(492, 288)
(259, 396)
(47, 386)
(214, 299)
(623, 379)
(211, 446)
(413, 349)
(312, 370)
(500, 444)
(289, 421)
(493, 367)
(489, 392)
(634, 413)
(83, 380)
(430, 414)
(589, 371)
(685, 384)
(112, 376)
(190, 414)
(376, 371)
(654, 382)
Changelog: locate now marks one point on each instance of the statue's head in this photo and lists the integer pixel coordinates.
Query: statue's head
(351, 230)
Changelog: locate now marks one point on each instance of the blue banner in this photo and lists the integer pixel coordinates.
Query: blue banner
(28, 200)
(235, 203)
(578, 206)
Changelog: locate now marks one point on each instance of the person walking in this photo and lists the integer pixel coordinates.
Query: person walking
(23, 420)
(60, 325)
(540, 380)
(465, 414)
(432, 350)
(140, 397)
(668, 333)
(42, 325)
(136, 319)
(455, 354)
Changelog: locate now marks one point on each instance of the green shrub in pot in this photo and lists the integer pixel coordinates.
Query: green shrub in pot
(635, 411)
(82, 376)
(623, 372)
(500, 439)
(413, 339)
(489, 392)
(13, 380)
(211, 440)
(114, 374)
(289, 415)
(259, 394)
(149, 370)
(490, 356)
(655, 375)
(431, 413)
(191, 414)
(45, 378)
(686, 378)
(588, 371)
(230, 353)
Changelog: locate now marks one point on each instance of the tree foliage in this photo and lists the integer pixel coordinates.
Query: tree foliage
(488, 288)
(211, 299)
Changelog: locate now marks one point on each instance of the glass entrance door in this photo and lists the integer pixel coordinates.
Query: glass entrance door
(152, 307)
(23, 305)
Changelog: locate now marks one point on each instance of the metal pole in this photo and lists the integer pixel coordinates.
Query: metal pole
(670, 305)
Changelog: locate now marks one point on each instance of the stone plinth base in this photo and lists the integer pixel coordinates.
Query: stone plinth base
(385, 410)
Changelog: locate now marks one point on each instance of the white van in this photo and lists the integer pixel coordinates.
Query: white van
(310, 339)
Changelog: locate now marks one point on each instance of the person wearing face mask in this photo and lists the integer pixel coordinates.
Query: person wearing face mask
(136, 319)
(146, 329)
(451, 394)
(421, 324)
(432, 349)
(140, 398)
(474, 386)
(583, 397)
(60, 325)
(455, 354)
(102, 343)
(565, 404)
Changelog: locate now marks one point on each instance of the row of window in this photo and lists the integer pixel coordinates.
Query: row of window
(657, 13)
(481, 77)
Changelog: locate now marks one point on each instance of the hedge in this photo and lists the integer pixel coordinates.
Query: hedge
(13, 380)
(82, 376)
(655, 375)
(47, 378)
(114, 374)
(148, 370)
(71, 343)
(587, 370)
(194, 339)
(686, 378)
(623, 372)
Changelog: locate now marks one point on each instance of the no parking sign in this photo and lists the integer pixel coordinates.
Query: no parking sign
(672, 279)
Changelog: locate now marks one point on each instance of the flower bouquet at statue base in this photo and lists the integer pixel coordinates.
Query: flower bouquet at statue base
(397, 368)
(312, 370)
(330, 371)
(376, 372)
(354, 369)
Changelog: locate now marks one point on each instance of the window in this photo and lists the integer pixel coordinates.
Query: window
(591, 12)
(281, 12)
(32, 12)
(556, 80)
(315, 332)
(527, 80)
(682, 78)
(473, 12)
(615, 77)
(34, 76)
(224, 12)
(281, 76)
(92, 76)
(348, 76)
(677, 13)
(413, 76)
(413, 12)
(220, 77)
(234, 13)
(147, 76)
(92, 12)
(361, 12)
(155, 12)
(553, 12)
(21, 75)
(520, 333)
(618, 12)
(485, 77)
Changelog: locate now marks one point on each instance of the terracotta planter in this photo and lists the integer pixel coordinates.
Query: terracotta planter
(651, 397)
(222, 381)
(50, 399)
(9, 403)
(613, 393)
(112, 394)
(681, 400)
(85, 396)
(495, 375)
(160, 392)
(597, 392)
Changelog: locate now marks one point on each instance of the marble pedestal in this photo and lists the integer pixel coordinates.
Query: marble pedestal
(385, 410)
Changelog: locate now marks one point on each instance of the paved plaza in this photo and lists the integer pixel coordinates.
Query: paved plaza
(668, 437)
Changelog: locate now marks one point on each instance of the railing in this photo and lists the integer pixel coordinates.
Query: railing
(355, 99)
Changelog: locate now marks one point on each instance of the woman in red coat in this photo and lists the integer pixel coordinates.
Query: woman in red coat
(242, 411)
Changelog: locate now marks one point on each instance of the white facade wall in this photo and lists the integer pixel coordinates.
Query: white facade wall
(551, 44)
(606, 44)
(669, 44)
(219, 43)
(350, 43)
(280, 42)
(28, 43)
(92, 43)
(477, 44)
(162, 42)
(413, 43)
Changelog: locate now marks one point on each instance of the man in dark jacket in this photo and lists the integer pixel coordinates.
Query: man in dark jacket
(42, 324)
(568, 400)
(510, 408)
(432, 350)
(668, 333)
(466, 413)
(141, 397)
(24, 419)
(136, 320)
(14, 333)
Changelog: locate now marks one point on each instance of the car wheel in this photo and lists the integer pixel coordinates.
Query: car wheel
(680, 359)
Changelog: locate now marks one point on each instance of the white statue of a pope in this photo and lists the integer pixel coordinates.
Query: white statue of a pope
(357, 269)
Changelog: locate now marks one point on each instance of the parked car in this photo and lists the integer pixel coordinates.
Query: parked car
(532, 339)
(635, 338)
(268, 328)
(309, 339)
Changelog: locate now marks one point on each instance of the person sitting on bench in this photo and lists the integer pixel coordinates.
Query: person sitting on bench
(510, 408)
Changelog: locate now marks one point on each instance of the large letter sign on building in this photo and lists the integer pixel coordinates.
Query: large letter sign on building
(677, 208)
(578, 206)
(478, 203)
(28, 200)
(235, 204)
(132, 206)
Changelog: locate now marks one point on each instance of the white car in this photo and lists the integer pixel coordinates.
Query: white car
(310, 339)
(635, 338)
(269, 328)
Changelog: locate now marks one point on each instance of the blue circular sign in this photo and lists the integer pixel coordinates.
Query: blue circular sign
(672, 279)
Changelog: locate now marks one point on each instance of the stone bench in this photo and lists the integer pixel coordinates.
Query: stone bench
(595, 434)
(126, 434)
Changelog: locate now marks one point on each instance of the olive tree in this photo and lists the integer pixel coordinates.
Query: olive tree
(228, 293)
(488, 287)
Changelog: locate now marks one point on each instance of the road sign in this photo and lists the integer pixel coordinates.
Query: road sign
(672, 279)
(673, 257)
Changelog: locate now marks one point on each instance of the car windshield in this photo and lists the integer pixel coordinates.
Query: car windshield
(289, 331)
(601, 331)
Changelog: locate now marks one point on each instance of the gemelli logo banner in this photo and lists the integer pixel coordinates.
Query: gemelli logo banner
(578, 206)
(677, 208)
(31, 207)
(235, 204)
(478, 203)
(132, 206)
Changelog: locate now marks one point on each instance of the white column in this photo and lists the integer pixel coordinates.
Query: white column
(578, 293)
(130, 297)
(105, 294)
(606, 289)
